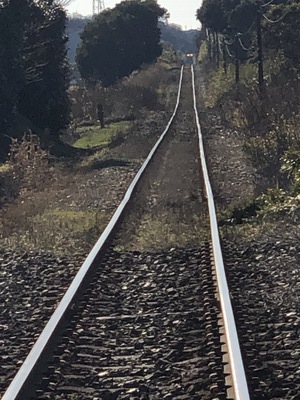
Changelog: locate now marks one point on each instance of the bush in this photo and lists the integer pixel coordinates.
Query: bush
(29, 162)
(9, 188)
(146, 89)
(291, 166)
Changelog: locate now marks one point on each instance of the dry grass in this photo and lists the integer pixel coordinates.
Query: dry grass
(62, 207)
(37, 216)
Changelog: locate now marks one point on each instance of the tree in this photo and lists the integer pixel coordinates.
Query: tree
(232, 20)
(212, 15)
(213, 18)
(43, 99)
(282, 31)
(33, 68)
(11, 74)
(118, 41)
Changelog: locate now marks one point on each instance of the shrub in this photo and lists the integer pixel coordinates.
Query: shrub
(291, 166)
(9, 188)
(29, 162)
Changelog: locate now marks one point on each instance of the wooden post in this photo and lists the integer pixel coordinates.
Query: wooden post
(237, 62)
(260, 60)
(224, 56)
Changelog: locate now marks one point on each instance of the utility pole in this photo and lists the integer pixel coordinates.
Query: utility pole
(98, 6)
(260, 61)
(224, 56)
(237, 61)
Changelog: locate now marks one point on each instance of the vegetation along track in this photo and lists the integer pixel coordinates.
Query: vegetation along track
(148, 325)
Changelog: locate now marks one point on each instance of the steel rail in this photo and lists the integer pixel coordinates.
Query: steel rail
(240, 386)
(26, 371)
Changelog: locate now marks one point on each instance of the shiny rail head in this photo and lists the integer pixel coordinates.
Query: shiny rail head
(240, 385)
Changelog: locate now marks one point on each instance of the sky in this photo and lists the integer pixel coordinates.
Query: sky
(182, 12)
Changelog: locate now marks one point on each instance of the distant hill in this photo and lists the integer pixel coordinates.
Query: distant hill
(182, 41)
(74, 28)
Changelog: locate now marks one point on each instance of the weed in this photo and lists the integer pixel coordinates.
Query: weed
(31, 224)
(29, 162)
(203, 52)
(126, 99)
(291, 166)
(9, 187)
(165, 230)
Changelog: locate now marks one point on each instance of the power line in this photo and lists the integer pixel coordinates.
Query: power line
(248, 31)
(242, 45)
(228, 51)
(229, 43)
(267, 4)
(278, 20)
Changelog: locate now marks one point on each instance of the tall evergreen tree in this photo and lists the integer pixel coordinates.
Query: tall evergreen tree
(43, 99)
(33, 68)
(11, 72)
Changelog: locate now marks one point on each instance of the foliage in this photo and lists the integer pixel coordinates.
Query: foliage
(94, 136)
(237, 20)
(212, 15)
(43, 99)
(291, 166)
(284, 34)
(182, 41)
(268, 150)
(33, 69)
(218, 85)
(29, 162)
(9, 188)
(269, 117)
(272, 197)
(227, 16)
(11, 71)
(203, 52)
(149, 89)
(120, 40)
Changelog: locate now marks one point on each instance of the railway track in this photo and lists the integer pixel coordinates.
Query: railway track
(147, 325)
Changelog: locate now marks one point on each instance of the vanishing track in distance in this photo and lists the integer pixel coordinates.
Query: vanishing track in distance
(145, 324)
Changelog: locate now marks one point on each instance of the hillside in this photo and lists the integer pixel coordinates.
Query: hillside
(182, 41)
(74, 28)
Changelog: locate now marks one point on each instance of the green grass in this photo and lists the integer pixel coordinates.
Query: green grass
(94, 136)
